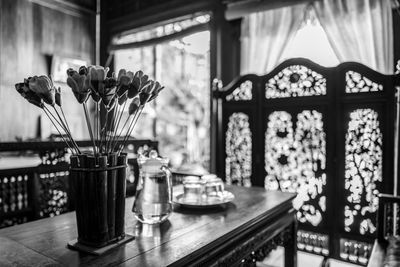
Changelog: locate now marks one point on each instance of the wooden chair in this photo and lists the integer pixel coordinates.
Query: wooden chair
(386, 250)
(32, 193)
(16, 196)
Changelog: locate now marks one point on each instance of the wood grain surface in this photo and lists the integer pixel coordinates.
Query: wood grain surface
(187, 236)
(30, 34)
(14, 254)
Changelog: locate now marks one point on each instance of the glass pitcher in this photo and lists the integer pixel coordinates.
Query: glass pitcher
(153, 199)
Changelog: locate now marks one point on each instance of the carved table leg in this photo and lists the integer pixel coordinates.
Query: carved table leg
(291, 246)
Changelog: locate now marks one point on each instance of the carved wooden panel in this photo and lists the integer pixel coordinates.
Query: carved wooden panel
(279, 159)
(355, 251)
(238, 148)
(53, 188)
(13, 193)
(357, 83)
(256, 248)
(243, 92)
(313, 242)
(295, 161)
(305, 144)
(295, 81)
(363, 171)
(13, 199)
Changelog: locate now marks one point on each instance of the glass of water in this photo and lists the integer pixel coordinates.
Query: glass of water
(214, 188)
(193, 190)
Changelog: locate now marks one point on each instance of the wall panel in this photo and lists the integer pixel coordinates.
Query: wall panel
(30, 33)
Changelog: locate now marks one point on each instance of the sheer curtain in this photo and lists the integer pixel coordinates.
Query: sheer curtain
(359, 30)
(265, 35)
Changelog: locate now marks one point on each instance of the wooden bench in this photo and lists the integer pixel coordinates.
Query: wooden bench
(386, 250)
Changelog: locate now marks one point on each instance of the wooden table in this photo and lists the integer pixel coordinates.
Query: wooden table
(256, 221)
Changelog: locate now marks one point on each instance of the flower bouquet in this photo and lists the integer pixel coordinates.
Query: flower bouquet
(98, 177)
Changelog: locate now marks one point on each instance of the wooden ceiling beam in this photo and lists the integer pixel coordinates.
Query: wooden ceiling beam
(159, 14)
(66, 7)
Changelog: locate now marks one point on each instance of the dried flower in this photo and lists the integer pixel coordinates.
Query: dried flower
(122, 99)
(25, 92)
(142, 77)
(148, 87)
(97, 75)
(138, 82)
(124, 80)
(22, 88)
(144, 97)
(43, 87)
(133, 90)
(109, 90)
(134, 105)
(83, 70)
(111, 104)
(58, 96)
(79, 84)
(146, 92)
(157, 89)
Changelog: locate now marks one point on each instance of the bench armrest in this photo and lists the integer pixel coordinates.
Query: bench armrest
(377, 255)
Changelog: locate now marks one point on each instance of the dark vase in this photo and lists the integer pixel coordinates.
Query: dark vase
(99, 188)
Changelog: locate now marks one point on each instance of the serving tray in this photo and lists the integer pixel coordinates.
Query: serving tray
(209, 202)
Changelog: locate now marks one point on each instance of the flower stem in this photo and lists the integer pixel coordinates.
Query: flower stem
(104, 129)
(95, 124)
(66, 122)
(55, 126)
(131, 127)
(116, 127)
(89, 128)
(108, 137)
(67, 127)
(62, 127)
(114, 123)
(122, 128)
(98, 121)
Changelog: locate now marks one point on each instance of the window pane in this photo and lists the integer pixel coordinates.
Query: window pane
(135, 59)
(162, 30)
(180, 117)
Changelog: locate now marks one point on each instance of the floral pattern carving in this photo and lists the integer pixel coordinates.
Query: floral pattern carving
(243, 92)
(295, 161)
(356, 83)
(363, 170)
(279, 157)
(238, 149)
(295, 81)
(251, 251)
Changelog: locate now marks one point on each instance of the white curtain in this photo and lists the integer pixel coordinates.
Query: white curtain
(359, 30)
(265, 35)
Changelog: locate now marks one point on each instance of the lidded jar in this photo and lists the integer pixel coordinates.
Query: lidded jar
(153, 199)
